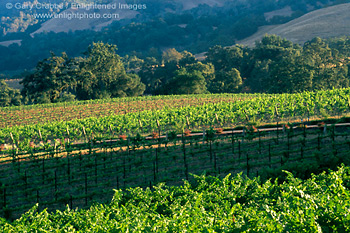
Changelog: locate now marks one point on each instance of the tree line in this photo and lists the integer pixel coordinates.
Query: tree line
(100, 74)
(274, 65)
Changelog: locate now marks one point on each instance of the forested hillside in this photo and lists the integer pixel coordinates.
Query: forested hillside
(17, 16)
(164, 24)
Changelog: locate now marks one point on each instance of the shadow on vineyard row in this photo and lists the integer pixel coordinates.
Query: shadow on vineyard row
(56, 179)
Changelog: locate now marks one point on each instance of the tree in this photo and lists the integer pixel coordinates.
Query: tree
(207, 70)
(227, 62)
(102, 75)
(318, 52)
(226, 82)
(187, 82)
(259, 80)
(274, 47)
(341, 44)
(187, 59)
(277, 66)
(9, 96)
(225, 58)
(332, 77)
(156, 76)
(329, 70)
(132, 63)
(147, 74)
(171, 55)
(289, 75)
(134, 86)
(51, 78)
(301, 78)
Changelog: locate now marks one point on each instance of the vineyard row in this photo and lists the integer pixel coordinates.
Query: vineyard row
(55, 179)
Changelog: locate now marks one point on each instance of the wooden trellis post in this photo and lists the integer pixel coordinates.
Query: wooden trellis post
(41, 138)
(84, 133)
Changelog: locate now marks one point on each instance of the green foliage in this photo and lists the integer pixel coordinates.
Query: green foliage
(235, 109)
(226, 82)
(225, 58)
(132, 63)
(210, 204)
(171, 55)
(67, 97)
(276, 65)
(342, 44)
(52, 77)
(305, 169)
(289, 75)
(329, 70)
(206, 69)
(102, 75)
(187, 82)
(180, 73)
(9, 96)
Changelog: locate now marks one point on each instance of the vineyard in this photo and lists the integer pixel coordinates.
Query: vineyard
(223, 111)
(34, 114)
(82, 155)
(209, 204)
(77, 176)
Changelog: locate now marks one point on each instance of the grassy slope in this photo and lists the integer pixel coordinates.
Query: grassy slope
(65, 25)
(327, 22)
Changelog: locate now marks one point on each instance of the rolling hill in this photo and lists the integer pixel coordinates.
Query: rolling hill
(65, 25)
(328, 22)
